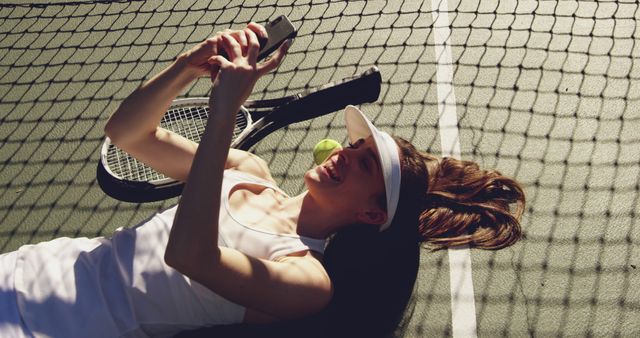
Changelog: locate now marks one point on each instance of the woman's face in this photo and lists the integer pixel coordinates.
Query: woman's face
(350, 181)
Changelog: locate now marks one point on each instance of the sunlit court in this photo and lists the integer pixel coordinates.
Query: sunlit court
(545, 92)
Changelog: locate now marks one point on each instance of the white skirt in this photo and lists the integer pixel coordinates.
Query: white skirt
(11, 324)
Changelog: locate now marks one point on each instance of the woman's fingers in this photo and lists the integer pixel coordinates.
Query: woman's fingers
(231, 46)
(242, 49)
(214, 69)
(237, 35)
(242, 40)
(253, 46)
(217, 62)
(275, 59)
(211, 46)
(259, 30)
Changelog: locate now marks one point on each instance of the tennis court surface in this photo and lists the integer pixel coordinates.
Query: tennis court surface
(544, 91)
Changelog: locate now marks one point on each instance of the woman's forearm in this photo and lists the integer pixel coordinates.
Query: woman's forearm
(195, 228)
(140, 113)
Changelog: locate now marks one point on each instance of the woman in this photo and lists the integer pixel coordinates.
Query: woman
(237, 249)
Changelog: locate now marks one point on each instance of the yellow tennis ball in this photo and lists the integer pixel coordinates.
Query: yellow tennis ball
(323, 149)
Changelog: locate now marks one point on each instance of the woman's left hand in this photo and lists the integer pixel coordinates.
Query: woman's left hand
(233, 77)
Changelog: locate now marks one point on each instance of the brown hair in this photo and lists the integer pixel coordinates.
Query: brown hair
(457, 203)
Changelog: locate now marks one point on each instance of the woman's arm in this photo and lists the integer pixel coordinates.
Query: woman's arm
(293, 287)
(290, 288)
(134, 127)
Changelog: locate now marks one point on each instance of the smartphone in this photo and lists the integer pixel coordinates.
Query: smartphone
(279, 30)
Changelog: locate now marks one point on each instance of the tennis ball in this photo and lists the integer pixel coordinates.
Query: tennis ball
(323, 149)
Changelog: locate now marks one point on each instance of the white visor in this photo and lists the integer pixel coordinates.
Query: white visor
(359, 126)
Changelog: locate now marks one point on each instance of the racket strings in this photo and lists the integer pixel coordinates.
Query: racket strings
(187, 121)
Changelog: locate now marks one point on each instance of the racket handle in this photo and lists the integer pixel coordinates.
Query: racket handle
(334, 96)
(319, 101)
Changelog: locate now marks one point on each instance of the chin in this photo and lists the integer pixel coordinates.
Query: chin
(311, 176)
(312, 182)
(308, 176)
(309, 179)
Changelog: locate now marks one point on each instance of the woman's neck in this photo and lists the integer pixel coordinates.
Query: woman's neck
(311, 219)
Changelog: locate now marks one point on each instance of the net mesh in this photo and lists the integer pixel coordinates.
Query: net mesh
(545, 91)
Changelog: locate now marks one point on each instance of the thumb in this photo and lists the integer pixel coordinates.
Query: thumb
(213, 71)
(217, 62)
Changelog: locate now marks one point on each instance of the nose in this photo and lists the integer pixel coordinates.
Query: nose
(354, 150)
(350, 151)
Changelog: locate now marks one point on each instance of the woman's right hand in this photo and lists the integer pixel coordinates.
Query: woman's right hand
(196, 57)
(235, 74)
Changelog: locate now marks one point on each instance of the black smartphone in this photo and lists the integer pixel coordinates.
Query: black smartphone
(279, 30)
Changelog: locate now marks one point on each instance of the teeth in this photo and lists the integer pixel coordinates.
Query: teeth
(331, 167)
(332, 171)
(334, 175)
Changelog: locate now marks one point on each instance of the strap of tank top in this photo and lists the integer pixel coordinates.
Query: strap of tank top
(255, 179)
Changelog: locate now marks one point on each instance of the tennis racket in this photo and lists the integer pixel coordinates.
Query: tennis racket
(124, 178)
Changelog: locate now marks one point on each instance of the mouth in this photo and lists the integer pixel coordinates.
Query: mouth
(332, 168)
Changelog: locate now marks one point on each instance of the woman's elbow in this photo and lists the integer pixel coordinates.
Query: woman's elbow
(187, 259)
(178, 262)
(111, 129)
(173, 260)
(121, 129)
(174, 256)
(122, 136)
(116, 131)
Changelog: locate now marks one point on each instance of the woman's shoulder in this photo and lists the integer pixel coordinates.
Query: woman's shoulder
(246, 162)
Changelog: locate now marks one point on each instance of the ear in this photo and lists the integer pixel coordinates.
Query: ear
(374, 216)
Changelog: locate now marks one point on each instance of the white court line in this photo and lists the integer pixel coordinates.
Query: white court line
(463, 308)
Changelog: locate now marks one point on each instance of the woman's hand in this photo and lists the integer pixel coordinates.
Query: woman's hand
(235, 75)
(197, 57)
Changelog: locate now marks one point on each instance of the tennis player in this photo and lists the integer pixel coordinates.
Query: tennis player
(236, 248)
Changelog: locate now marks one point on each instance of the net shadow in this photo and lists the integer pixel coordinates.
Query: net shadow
(546, 92)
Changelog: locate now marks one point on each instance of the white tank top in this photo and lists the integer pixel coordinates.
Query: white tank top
(121, 287)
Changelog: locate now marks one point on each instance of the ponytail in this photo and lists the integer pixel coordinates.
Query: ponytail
(457, 203)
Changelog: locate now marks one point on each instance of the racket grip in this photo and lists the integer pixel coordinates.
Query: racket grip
(319, 101)
(334, 96)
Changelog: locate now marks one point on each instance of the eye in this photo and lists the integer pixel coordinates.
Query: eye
(365, 165)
